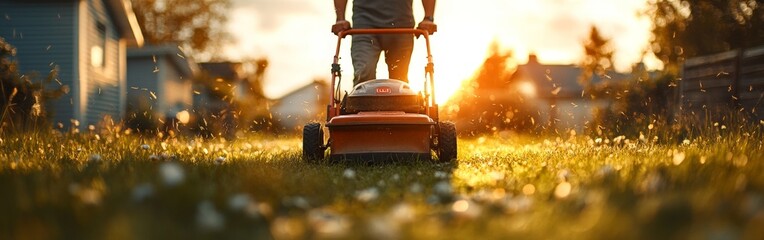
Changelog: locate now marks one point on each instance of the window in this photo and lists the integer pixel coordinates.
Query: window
(98, 50)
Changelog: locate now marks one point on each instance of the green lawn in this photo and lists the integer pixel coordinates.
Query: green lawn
(111, 186)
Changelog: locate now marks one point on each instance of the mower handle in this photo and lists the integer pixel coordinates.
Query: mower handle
(382, 31)
(429, 70)
(418, 32)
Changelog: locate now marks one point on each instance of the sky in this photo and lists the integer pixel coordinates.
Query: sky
(294, 35)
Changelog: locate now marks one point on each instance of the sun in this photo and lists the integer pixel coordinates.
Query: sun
(456, 57)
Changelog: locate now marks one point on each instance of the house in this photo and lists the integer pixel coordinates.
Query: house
(85, 41)
(301, 106)
(254, 113)
(554, 92)
(159, 81)
(215, 105)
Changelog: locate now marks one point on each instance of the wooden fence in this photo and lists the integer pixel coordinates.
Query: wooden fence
(730, 81)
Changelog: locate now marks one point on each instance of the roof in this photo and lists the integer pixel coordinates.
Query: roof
(312, 85)
(548, 78)
(186, 67)
(230, 71)
(126, 21)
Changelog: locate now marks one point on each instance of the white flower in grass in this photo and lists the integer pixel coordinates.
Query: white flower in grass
(433, 199)
(142, 192)
(564, 175)
(208, 218)
(497, 176)
(367, 195)
(466, 209)
(85, 194)
(678, 158)
(171, 173)
(415, 188)
(654, 182)
(529, 189)
(401, 213)
(348, 173)
(145, 147)
(288, 228)
(300, 202)
(328, 224)
(239, 202)
(562, 190)
(90, 196)
(518, 204)
(443, 188)
(383, 228)
(219, 160)
(606, 174)
(167, 156)
(260, 209)
(95, 158)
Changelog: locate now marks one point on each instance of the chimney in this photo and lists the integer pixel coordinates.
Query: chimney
(533, 59)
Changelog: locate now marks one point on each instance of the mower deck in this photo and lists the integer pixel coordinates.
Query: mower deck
(381, 135)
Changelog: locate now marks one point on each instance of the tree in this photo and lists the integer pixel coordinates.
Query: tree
(598, 58)
(487, 102)
(196, 25)
(689, 28)
(257, 114)
(23, 95)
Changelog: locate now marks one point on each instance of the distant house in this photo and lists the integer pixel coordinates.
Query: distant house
(301, 106)
(215, 96)
(217, 86)
(555, 93)
(85, 41)
(160, 80)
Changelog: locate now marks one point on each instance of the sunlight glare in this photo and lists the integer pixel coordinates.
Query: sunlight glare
(527, 88)
(183, 117)
(460, 206)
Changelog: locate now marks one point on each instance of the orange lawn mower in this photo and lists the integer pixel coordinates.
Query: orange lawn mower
(381, 119)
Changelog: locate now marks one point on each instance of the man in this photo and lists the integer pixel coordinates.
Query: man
(365, 49)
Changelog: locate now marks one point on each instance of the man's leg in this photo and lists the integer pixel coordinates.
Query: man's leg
(364, 51)
(398, 50)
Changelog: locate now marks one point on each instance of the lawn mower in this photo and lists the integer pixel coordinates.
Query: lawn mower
(381, 119)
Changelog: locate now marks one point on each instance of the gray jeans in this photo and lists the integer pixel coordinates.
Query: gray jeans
(365, 51)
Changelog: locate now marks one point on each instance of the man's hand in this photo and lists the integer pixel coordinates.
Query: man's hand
(428, 25)
(339, 26)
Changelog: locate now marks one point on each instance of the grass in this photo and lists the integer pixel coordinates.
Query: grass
(111, 186)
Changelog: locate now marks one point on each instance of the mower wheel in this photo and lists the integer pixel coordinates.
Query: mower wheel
(446, 142)
(312, 142)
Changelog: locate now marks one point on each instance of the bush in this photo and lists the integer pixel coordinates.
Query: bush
(23, 95)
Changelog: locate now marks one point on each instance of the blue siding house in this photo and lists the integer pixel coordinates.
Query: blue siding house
(85, 41)
(159, 80)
